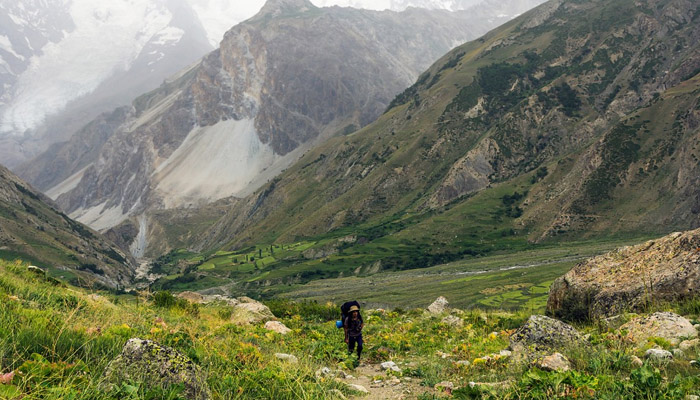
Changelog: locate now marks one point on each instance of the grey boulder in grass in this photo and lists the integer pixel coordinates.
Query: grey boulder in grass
(544, 334)
(155, 366)
(629, 278)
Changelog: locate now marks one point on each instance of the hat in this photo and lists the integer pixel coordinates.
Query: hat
(354, 308)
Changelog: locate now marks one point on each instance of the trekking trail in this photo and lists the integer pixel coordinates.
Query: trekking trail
(382, 386)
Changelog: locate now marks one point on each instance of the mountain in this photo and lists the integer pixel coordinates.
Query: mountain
(123, 49)
(280, 83)
(579, 119)
(32, 229)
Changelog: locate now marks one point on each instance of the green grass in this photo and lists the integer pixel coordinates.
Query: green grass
(49, 337)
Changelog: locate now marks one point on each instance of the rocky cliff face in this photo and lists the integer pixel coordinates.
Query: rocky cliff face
(630, 278)
(34, 230)
(281, 82)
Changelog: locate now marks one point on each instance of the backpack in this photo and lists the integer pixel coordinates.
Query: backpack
(345, 311)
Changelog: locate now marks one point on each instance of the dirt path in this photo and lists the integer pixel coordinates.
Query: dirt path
(382, 386)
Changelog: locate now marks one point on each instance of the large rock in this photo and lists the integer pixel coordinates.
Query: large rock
(666, 325)
(153, 365)
(541, 333)
(439, 305)
(250, 313)
(277, 326)
(554, 362)
(629, 278)
(192, 297)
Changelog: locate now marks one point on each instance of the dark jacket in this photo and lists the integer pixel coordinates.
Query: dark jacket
(354, 326)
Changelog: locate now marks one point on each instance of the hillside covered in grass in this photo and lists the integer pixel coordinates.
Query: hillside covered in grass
(57, 341)
(577, 120)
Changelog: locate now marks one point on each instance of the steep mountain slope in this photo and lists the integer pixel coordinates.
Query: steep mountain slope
(33, 230)
(64, 62)
(579, 118)
(281, 82)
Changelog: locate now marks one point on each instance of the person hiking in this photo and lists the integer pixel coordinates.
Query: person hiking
(353, 325)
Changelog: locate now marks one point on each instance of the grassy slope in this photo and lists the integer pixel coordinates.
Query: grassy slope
(58, 341)
(377, 185)
(35, 231)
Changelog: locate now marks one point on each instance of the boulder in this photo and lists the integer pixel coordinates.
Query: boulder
(666, 325)
(554, 362)
(453, 321)
(667, 269)
(658, 355)
(277, 326)
(192, 297)
(439, 305)
(287, 357)
(36, 270)
(153, 365)
(541, 333)
(689, 344)
(390, 365)
(358, 388)
(251, 313)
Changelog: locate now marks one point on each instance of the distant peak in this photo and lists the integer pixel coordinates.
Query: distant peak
(278, 7)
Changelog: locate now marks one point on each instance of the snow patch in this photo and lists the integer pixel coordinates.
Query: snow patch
(169, 35)
(212, 163)
(108, 37)
(6, 45)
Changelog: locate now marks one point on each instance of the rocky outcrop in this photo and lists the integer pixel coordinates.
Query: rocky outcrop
(666, 325)
(629, 278)
(544, 334)
(155, 366)
(439, 305)
(276, 326)
(250, 313)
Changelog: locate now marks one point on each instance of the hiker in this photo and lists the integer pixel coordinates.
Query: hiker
(353, 325)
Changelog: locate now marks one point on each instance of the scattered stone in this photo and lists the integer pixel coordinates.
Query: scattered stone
(627, 278)
(323, 372)
(658, 355)
(277, 326)
(666, 325)
(505, 353)
(154, 366)
(636, 361)
(390, 365)
(445, 386)
(541, 333)
(692, 397)
(689, 344)
(555, 362)
(394, 381)
(287, 357)
(453, 321)
(357, 388)
(463, 363)
(96, 297)
(192, 297)
(439, 305)
(337, 394)
(251, 312)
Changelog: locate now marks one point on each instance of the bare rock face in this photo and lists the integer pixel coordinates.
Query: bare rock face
(629, 278)
(153, 365)
(666, 325)
(541, 333)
